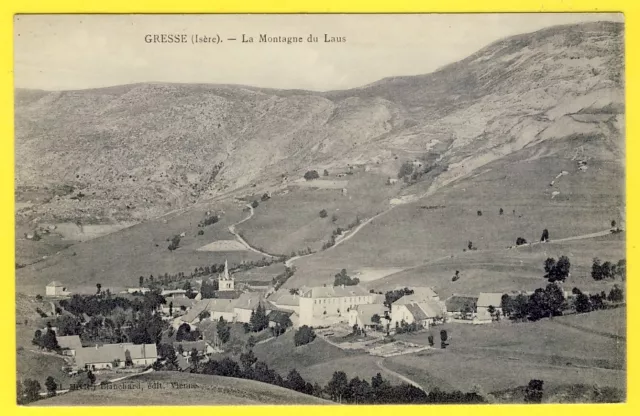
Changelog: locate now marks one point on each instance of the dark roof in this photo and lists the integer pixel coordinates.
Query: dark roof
(274, 315)
(417, 312)
(456, 303)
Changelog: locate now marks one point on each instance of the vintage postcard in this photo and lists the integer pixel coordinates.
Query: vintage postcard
(320, 209)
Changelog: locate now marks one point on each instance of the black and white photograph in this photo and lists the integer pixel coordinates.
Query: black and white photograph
(320, 209)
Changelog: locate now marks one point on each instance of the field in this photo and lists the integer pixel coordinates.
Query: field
(321, 184)
(291, 222)
(199, 390)
(223, 245)
(38, 366)
(515, 269)
(118, 259)
(504, 355)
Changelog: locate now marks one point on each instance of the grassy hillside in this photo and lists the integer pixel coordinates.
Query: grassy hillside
(201, 390)
(441, 224)
(118, 259)
(500, 356)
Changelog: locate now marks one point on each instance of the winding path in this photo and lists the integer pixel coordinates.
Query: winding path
(232, 230)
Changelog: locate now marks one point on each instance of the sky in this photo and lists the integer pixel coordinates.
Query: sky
(67, 52)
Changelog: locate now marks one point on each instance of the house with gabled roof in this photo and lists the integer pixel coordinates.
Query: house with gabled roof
(485, 302)
(55, 288)
(69, 344)
(362, 315)
(424, 313)
(110, 356)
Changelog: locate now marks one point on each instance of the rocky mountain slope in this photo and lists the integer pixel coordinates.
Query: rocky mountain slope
(134, 152)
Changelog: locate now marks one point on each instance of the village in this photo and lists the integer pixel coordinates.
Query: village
(347, 316)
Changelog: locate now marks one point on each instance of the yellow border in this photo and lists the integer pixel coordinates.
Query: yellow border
(7, 361)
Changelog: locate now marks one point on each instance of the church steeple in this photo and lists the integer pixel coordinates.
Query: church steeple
(225, 282)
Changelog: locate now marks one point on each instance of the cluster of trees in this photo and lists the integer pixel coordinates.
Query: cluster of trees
(584, 303)
(46, 340)
(311, 175)
(339, 231)
(394, 295)
(282, 278)
(184, 333)
(550, 301)
(209, 220)
(104, 303)
(608, 270)
(304, 335)
(175, 242)
(343, 279)
(112, 318)
(557, 271)
(339, 389)
(546, 302)
(28, 391)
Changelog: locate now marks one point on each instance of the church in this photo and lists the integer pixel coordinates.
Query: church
(225, 282)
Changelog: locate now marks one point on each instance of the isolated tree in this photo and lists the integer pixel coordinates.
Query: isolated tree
(255, 204)
(492, 310)
(141, 281)
(323, 213)
(443, 338)
(51, 386)
(501, 211)
(470, 245)
(223, 330)
(520, 241)
(621, 269)
(534, 391)
(98, 287)
(479, 213)
(195, 358)
(170, 308)
(91, 377)
(375, 318)
(251, 342)
(430, 338)
(325, 173)
(613, 223)
(545, 235)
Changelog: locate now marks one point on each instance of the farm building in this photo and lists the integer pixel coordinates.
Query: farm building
(204, 348)
(55, 288)
(246, 304)
(69, 344)
(177, 305)
(461, 306)
(361, 315)
(285, 300)
(115, 356)
(425, 313)
(485, 301)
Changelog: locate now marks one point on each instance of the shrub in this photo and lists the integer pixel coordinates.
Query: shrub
(405, 170)
(311, 175)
